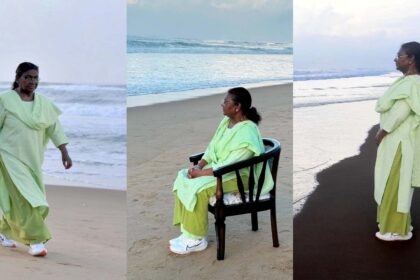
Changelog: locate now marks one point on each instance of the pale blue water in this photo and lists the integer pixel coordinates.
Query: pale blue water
(94, 119)
(175, 65)
(318, 87)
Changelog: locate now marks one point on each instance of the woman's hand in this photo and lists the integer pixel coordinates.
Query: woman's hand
(194, 172)
(65, 158)
(380, 135)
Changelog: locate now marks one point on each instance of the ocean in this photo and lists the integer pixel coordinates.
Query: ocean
(332, 114)
(314, 88)
(94, 119)
(156, 66)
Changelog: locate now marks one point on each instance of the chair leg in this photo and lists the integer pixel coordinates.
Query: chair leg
(220, 232)
(254, 220)
(274, 226)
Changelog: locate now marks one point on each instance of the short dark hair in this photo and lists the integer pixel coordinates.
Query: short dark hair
(22, 68)
(413, 49)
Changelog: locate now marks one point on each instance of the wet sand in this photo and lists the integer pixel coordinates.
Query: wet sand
(334, 232)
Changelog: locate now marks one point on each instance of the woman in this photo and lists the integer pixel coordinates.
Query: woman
(237, 138)
(397, 168)
(27, 121)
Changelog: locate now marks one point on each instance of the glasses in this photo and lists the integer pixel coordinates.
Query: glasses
(400, 55)
(226, 101)
(31, 78)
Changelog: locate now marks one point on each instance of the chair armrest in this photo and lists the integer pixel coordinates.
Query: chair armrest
(247, 162)
(196, 158)
(237, 165)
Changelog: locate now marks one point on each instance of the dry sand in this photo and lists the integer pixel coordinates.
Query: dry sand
(88, 227)
(160, 139)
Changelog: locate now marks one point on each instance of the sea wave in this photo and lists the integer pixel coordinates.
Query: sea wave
(148, 45)
(305, 75)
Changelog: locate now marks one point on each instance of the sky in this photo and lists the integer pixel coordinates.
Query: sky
(75, 41)
(352, 34)
(238, 20)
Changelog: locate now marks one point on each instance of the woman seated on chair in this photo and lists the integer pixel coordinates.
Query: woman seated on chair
(237, 138)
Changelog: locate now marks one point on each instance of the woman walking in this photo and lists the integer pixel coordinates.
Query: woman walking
(27, 122)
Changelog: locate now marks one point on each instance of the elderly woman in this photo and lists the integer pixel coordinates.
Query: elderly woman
(237, 138)
(397, 168)
(27, 121)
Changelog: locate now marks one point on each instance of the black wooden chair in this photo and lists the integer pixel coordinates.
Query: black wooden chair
(250, 201)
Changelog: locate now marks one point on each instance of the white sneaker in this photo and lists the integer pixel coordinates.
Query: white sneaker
(186, 246)
(7, 242)
(37, 250)
(393, 236)
(177, 239)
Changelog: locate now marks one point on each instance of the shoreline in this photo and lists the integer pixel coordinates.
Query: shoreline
(60, 182)
(167, 97)
(317, 130)
(341, 216)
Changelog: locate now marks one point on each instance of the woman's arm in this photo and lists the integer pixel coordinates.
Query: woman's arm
(233, 157)
(398, 113)
(65, 158)
(56, 133)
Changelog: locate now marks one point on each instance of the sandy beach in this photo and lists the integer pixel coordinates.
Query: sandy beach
(160, 139)
(341, 218)
(88, 227)
(334, 160)
(324, 135)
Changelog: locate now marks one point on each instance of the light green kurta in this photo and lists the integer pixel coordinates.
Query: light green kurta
(25, 129)
(222, 150)
(400, 117)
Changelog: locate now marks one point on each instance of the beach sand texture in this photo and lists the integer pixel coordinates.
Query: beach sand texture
(334, 234)
(324, 135)
(160, 139)
(88, 227)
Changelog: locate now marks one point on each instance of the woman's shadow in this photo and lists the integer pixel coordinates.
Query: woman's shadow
(334, 234)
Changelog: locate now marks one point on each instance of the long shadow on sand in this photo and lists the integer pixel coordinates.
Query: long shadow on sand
(334, 232)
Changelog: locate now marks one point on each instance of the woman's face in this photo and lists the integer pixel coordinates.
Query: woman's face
(229, 107)
(28, 82)
(403, 61)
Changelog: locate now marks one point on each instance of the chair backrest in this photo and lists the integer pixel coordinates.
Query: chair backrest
(273, 146)
(270, 157)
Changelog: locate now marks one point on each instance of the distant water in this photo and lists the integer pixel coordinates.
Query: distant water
(314, 88)
(94, 119)
(175, 65)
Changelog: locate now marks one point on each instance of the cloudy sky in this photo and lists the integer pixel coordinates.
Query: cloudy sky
(252, 20)
(352, 34)
(72, 41)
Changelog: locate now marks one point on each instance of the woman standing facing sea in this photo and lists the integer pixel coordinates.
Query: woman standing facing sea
(397, 168)
(27, 122)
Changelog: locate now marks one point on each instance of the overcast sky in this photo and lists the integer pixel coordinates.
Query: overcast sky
(251, 20)
(350, 34)
(73, 41)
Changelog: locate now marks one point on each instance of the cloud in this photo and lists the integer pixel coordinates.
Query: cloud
(356, 18)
